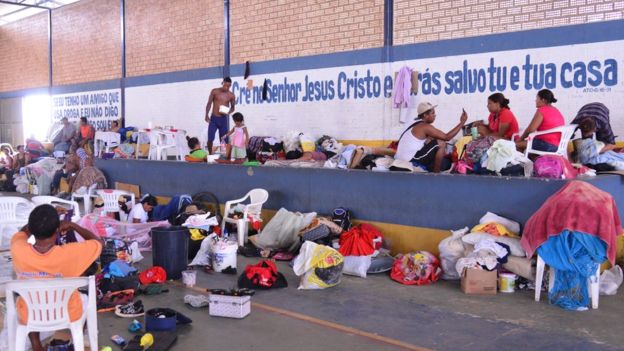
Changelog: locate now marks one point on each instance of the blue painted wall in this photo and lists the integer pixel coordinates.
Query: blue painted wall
(422, 200)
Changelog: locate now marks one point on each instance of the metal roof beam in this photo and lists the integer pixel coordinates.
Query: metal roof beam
(25, 5)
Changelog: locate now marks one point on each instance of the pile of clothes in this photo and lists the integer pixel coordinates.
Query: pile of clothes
(491, 245)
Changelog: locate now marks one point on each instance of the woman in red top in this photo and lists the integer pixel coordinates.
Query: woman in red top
(501, 123)
(546, 117)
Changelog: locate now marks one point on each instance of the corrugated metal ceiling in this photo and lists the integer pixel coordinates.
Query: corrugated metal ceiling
(11, 13)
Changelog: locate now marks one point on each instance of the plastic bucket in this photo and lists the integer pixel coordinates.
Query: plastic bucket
(223, 255)
(170, 250)
(507, 282)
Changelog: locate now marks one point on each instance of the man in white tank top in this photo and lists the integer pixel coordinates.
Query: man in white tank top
(424, 144)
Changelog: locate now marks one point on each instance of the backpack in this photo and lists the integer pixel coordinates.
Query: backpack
(554, 166)
(342, 217)
(476, 149)
(548, 166)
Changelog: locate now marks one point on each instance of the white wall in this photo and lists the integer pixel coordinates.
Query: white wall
(183, 104)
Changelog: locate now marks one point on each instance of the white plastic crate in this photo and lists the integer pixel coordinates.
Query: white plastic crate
(230, 306)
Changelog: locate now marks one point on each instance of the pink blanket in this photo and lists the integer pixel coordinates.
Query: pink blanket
(107, 227)
(578, 206)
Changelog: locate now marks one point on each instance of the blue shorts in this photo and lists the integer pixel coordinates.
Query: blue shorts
(541, 145)
(219, 123)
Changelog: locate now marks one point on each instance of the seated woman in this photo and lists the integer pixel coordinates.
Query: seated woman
(140, 212)
(501, 123)
(197, 154)
(593, 152)
(71, 166)
(6, 158)
(600, 114)
(546, 117)
(21, 158)
(88, 174)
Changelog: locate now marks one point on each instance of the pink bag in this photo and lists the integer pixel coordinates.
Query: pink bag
(553, 166)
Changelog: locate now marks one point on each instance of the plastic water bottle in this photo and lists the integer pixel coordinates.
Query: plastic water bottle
(223, 148)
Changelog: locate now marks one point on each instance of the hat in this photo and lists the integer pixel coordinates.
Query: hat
(401, 165)
(424, 107)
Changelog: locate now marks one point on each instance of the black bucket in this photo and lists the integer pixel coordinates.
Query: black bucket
(170, 250)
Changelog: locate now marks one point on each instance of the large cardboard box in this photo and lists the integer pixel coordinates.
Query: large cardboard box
(478, 281)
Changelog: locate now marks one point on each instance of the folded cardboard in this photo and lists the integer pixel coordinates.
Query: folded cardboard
(478, 281)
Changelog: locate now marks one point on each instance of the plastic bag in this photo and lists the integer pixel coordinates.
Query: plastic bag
(513, 226)
(416, 268)
(451, 249)
(357, 265)
(319, 266)
(610, 280)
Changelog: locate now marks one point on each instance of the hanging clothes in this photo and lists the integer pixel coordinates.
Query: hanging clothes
(401, 94)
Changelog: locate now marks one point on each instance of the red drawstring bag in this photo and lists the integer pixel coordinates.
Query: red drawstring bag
(155, 274)
(358, 241)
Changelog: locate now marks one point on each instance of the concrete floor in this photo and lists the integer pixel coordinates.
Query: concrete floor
(377, 313)
(437, 316)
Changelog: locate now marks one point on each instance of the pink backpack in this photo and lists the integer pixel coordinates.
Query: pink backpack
(553, 166)
(548, 166)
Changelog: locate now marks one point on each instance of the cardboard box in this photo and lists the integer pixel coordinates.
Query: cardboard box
(479, 282)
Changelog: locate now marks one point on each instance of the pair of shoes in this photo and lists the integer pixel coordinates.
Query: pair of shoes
(130, 310)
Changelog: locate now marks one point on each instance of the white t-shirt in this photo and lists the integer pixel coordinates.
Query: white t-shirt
(137, 212)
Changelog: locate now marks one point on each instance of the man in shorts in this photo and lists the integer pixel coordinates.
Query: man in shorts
(222, 101)
(422, 143)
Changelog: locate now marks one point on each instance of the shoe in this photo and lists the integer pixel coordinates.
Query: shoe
(130, 310)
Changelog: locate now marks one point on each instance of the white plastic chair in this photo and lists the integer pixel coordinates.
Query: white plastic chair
(181, 144)
(47, 301)
(107, 140)
(567, 132)
(111, 203)
(14, 213)
(86, 197)
(593, 282)
(257, 197)
(159, 142)
(43, 199)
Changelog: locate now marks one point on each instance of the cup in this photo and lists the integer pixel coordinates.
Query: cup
(474, 132)
(189, 278)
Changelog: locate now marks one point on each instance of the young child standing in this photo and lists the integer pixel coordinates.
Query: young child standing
(237, 148)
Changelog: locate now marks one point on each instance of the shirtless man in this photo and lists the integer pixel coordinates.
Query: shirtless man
(218, 120)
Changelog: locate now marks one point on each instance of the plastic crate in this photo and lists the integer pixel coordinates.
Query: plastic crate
(230, 306)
